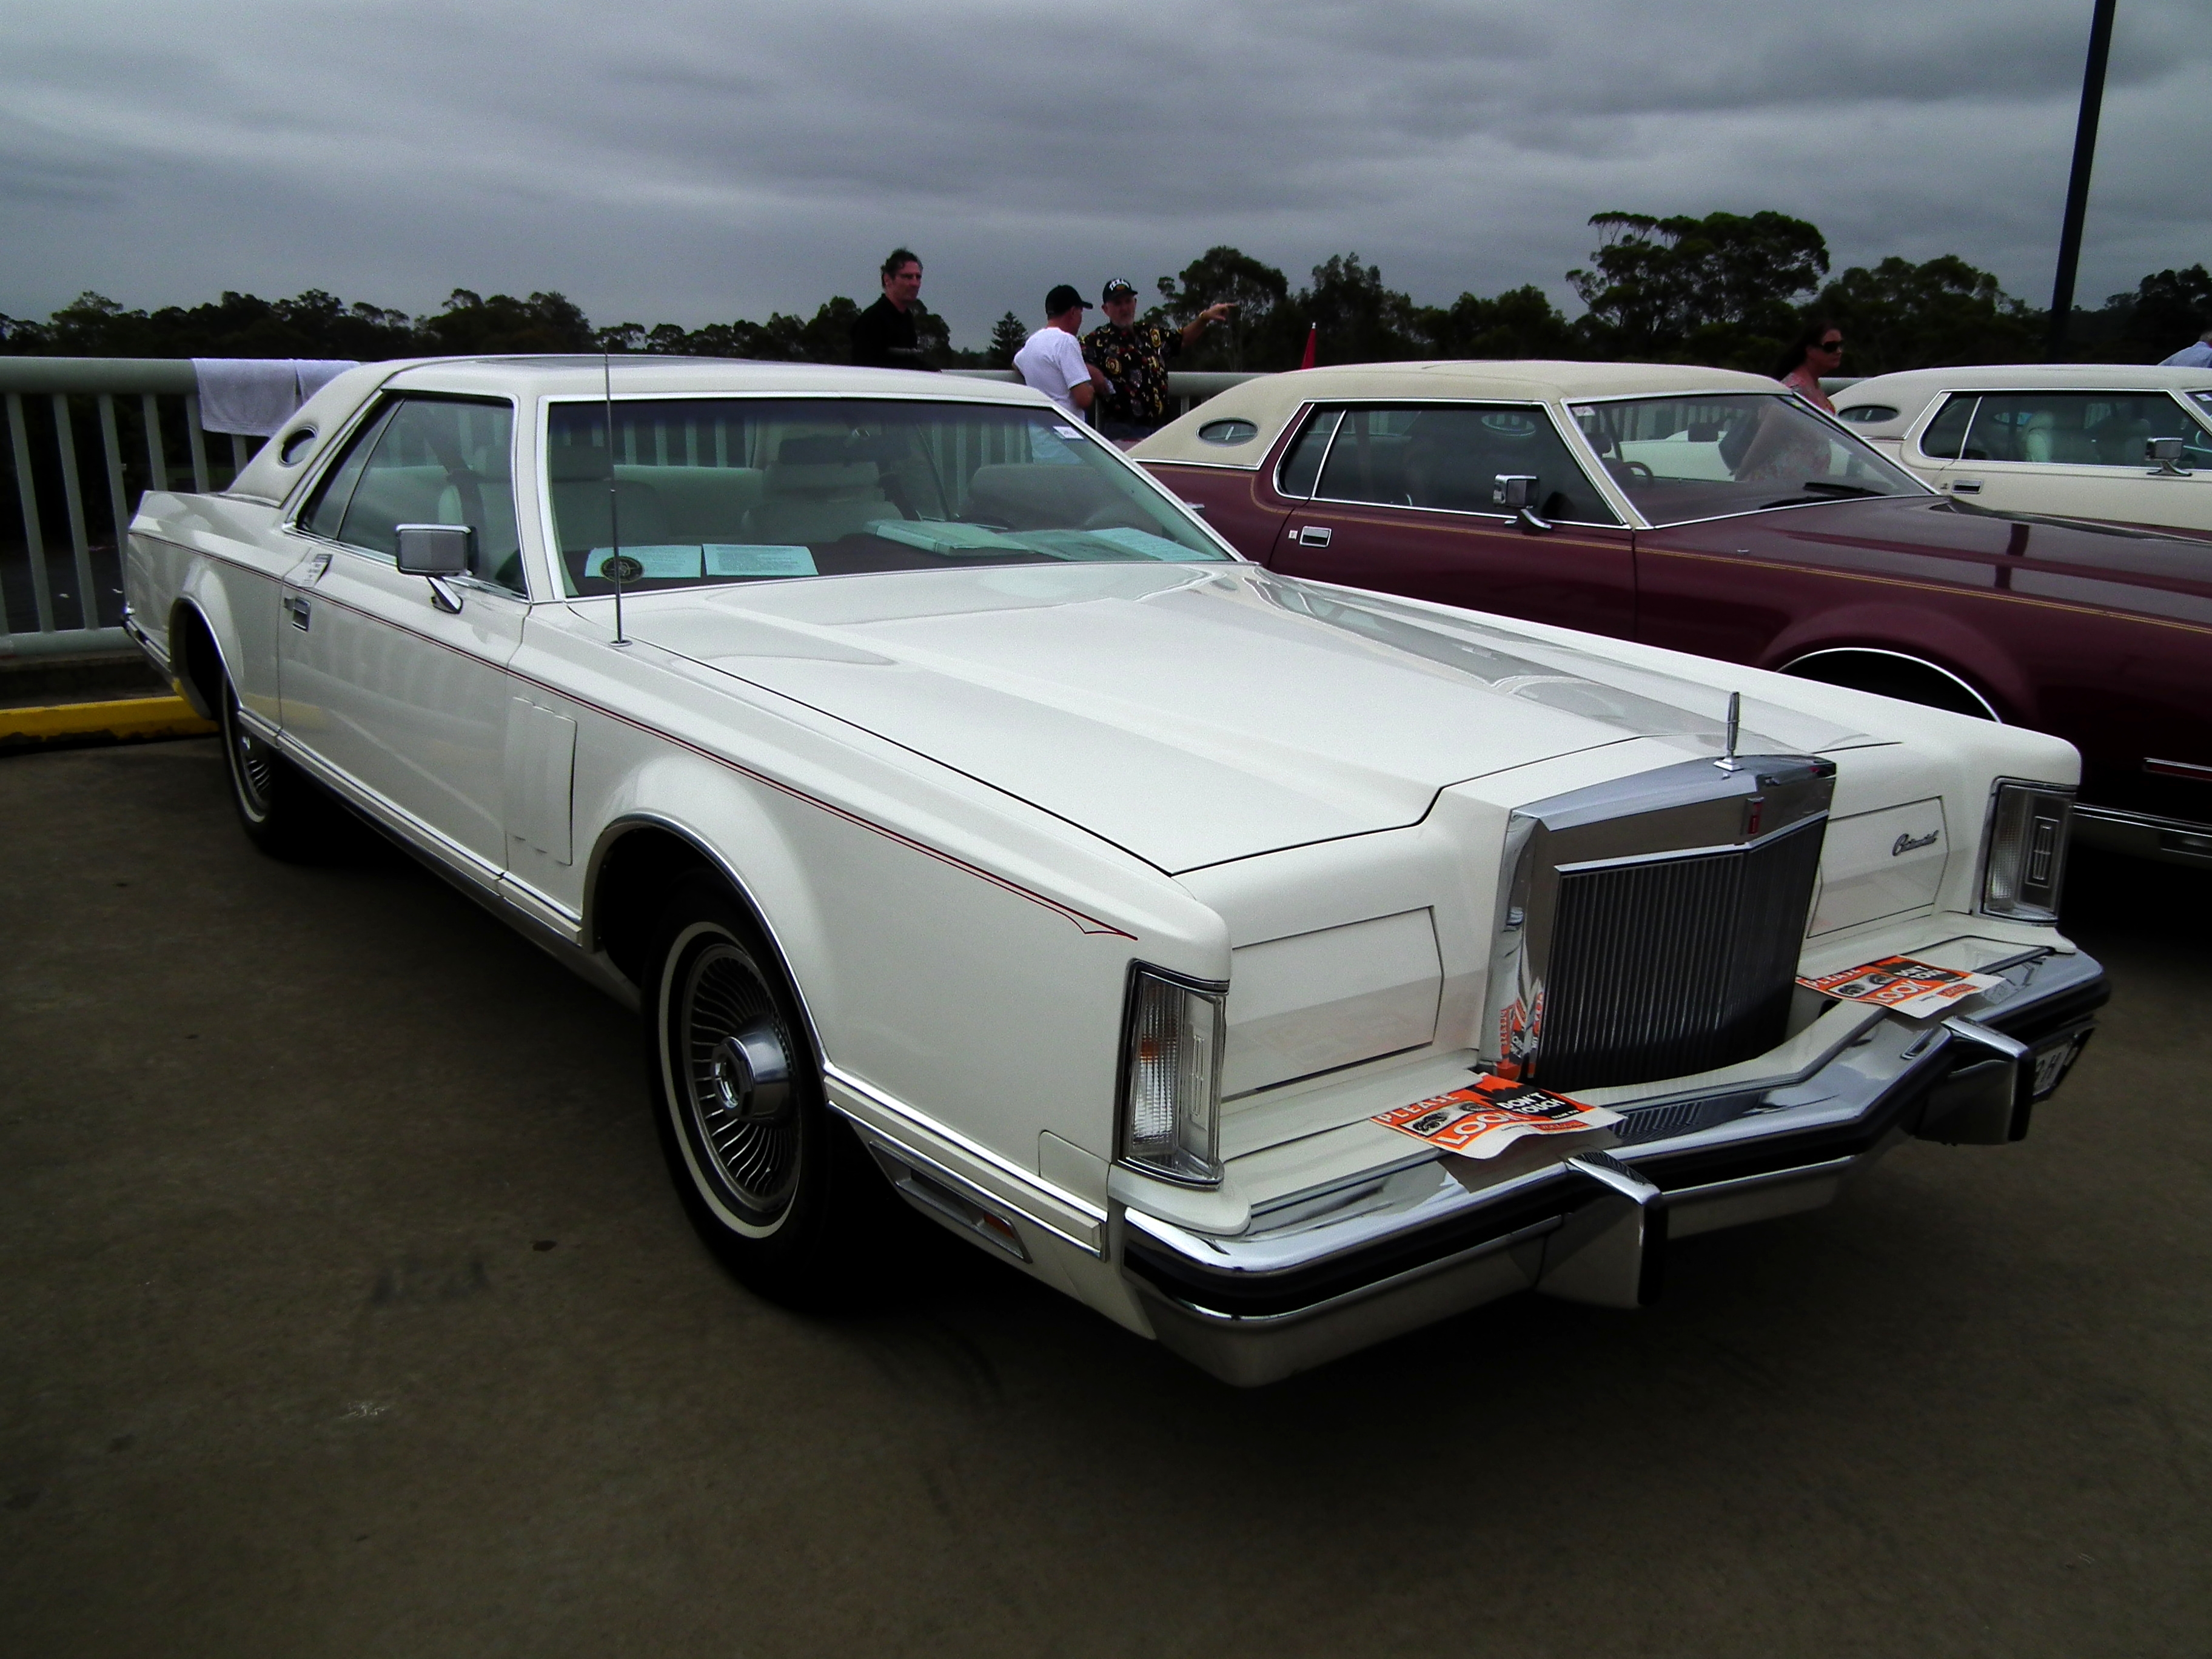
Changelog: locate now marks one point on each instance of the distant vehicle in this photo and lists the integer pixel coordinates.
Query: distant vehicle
(2119, 442)
(966, 820)
(1710, 512)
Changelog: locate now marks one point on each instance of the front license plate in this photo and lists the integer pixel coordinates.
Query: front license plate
(2052, 1062)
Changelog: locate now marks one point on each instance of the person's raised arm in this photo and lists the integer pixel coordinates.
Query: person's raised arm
(1196, 325)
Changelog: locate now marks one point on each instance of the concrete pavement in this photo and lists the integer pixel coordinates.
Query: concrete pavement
(347, 1310)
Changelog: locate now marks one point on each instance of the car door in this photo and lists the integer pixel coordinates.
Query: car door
(2071, 454)
(1401, 498)
(385, 682)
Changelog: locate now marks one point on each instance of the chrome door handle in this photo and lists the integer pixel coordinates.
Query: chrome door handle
(296, 608)
(1314, 535)
(1966, 486)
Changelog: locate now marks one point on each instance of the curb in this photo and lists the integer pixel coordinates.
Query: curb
(122, 720)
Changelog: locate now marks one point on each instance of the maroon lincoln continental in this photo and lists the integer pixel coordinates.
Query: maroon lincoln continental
(1710, 512)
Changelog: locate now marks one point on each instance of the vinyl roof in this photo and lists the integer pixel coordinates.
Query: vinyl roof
(1269, 400)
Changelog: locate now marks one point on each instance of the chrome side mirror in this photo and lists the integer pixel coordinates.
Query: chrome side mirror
(2165, 455)
(1516, 492)
(437, 551)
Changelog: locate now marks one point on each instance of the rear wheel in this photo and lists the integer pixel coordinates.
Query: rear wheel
(282, 811)
(778, 1186)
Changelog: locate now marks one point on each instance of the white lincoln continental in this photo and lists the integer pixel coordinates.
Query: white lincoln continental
(966, 821)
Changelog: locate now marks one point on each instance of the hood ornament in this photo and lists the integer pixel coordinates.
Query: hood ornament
(1727, 762)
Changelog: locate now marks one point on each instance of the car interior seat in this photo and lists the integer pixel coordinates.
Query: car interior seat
(576, 477)
(1044, 495)
(818, 489)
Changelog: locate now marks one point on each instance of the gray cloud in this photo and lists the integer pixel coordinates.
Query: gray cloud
(691, 162)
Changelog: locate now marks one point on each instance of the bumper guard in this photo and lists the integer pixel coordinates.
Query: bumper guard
(1328, 1272)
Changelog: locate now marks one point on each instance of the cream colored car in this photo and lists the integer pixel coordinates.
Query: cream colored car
(2117, 443)
(970, 826)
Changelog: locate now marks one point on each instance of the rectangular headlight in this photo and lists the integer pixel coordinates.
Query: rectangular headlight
(2024, 865)
(1172, 1033)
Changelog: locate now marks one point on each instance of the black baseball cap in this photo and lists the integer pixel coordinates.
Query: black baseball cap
(1062, 297)
(1120, 289)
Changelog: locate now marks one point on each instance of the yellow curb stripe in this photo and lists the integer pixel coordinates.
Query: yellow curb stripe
(128, 717)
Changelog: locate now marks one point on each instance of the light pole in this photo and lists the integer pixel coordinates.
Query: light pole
(2077, 186)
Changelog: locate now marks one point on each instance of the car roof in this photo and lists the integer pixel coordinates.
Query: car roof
(268, 476)
(589, 374)
(1268, 400)
(1921, 384)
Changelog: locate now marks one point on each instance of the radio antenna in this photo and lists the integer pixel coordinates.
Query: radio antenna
(616, 565)
(1727, 762)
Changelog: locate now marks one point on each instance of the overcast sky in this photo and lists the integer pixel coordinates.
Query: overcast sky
(667, 161)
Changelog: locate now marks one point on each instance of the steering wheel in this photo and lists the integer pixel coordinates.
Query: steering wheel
(1636, 469)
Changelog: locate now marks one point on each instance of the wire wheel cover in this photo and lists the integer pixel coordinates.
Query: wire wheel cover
(251, 764)
(755, 1154)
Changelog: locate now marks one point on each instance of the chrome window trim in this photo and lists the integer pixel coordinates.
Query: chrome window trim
(1933, 413)
(1626, 521)
(2197, 413)
(548, 542)
(1295, 425)
(335, 453)
(1638, 519)
(1212, 466)
(333, 456)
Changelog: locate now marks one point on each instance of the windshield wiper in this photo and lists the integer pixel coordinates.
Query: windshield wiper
(1825, 487)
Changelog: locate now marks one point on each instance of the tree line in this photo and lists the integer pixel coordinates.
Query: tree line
(1730, 290)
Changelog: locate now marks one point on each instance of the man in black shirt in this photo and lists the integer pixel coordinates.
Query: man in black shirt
(883, 335)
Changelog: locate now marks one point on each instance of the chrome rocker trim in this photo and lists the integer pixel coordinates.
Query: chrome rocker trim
(1325, 1273)
(2142, 834)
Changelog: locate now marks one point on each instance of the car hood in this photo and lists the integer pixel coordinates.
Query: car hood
(2152, 572)
(1192, 715)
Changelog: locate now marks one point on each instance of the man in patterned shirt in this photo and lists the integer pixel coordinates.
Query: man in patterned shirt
(1133, 358)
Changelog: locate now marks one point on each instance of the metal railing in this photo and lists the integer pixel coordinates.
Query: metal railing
(88, 436)
(1187, 388)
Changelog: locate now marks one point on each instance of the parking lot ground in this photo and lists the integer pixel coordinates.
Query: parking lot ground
(347, 1310)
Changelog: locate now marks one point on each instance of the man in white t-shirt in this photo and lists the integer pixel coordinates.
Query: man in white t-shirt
(1051, 359)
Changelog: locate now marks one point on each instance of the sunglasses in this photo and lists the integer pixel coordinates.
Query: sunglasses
(1832, 345)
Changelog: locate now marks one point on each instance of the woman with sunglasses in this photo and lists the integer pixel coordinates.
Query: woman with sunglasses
(1817, 350)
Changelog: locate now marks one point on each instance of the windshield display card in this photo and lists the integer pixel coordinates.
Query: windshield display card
(1909, 986)
(677, 562)
(1483, 1119)
(758, 559)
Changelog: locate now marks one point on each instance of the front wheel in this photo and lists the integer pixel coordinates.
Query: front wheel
(282, 811)
(778, 1186)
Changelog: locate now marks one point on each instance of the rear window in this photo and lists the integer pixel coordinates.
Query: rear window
(693, 492)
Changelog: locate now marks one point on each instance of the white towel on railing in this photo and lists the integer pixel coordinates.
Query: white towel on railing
(316, 373)
(257, 395)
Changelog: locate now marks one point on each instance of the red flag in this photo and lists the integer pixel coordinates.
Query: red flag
(1313, 332)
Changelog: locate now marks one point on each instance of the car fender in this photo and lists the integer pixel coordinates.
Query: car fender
(1936, 637)
(681, 794)
(204, 602)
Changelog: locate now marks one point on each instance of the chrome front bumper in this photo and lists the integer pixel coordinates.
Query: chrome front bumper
(1331, 1271)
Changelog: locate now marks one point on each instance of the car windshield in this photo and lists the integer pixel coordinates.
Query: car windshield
(713, 491)
(1681, 458)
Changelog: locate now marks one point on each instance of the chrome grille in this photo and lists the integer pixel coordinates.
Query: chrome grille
(1650, 925)
(1663, 967)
